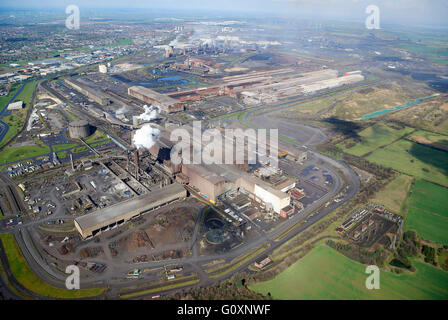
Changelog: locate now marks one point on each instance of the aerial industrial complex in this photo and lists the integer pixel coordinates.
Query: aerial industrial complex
(162, 157)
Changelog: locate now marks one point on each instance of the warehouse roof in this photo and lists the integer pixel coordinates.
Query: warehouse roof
(140, 203)
(161, 98)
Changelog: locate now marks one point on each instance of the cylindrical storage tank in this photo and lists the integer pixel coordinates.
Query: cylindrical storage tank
(79, 129)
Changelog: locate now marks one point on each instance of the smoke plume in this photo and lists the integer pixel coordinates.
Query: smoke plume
(150, 113)
(145, 137)
(122, 110)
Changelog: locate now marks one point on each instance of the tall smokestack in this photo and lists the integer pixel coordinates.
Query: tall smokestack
(71, 160)
(136, 163)
(127, 160)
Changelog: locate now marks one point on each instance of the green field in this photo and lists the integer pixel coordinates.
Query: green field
(23, 273)
(79, 149)
(5, 99)
(326, 274)
(98, 135)
(120, 42)
(20, 153)
(430, 136)
(311, 107)
(27, 93)
(394, 194)
(375, 136)
(425, 49)
(15, 123)
(60, 147)
(16, 120)
(427, 211)
(414, 159)
(62, 154)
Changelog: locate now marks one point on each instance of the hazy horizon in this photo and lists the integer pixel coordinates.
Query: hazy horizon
(401, 12)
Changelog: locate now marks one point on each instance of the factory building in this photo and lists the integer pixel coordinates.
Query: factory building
(161, 150)
(79, 129)
(214, 180)
(269, 86)
(165, 102)
(197, 94)
(332, 83)
(268, 91)
(110, 217)
(97, 96)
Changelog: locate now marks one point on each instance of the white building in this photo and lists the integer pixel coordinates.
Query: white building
(102, 68)
(15, 105)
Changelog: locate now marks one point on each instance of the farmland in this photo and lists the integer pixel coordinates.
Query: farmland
(326, 274)
(414, 159)
(427, 212)
(431, 137)
(394, 194)
(376, 136)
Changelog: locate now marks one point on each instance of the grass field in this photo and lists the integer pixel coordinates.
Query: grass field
(12, 91)
(72, 116)
(312, 107)
(95, 137)
(79, 149)
(16, 120)
(20, 153)
(60, 147)
(433, 137)
(15, 123)
(326, 274)
(27, 93)
(62, 154)
(167, 287)
(394, 194)
(435, 53)
(375, 136)
(427, 211)
(414, 159)
(23, 273)
(120, 42)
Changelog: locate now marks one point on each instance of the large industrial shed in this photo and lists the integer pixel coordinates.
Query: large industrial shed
(165, 102)
(215, 180)
(108, 218)
(97, 96)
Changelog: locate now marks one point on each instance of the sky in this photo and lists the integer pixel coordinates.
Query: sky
(404, 12)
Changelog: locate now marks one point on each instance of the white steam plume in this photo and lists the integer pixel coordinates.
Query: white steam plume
(122, 110)
(150, 113)
(145, 137)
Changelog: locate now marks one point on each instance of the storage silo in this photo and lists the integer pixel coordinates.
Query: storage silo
(79, 129)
